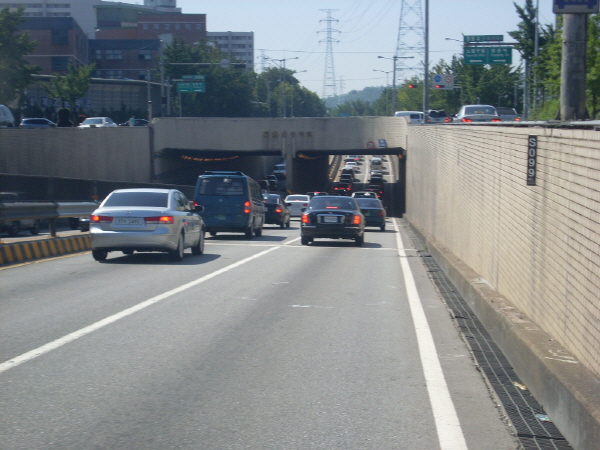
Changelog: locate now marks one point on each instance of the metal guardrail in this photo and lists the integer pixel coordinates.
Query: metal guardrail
(45, 210)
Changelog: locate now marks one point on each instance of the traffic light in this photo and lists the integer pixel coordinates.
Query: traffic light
(412, 86)
(439, 86)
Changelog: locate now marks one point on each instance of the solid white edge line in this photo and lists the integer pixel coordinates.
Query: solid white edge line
(14, 362)
(449, 431)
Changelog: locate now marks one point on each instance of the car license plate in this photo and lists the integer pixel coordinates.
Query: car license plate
(129, 221)
(330, 219)
(220, 217)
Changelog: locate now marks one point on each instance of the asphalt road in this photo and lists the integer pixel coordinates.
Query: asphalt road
(257, 344)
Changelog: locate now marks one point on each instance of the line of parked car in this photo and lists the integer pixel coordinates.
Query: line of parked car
(466, 114)
(90, 122)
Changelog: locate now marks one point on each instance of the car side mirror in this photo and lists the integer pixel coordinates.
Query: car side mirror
(303, 209)
(288, 204)
(198, 208)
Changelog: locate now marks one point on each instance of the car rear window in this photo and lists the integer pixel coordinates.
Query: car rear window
(35, 121)
(480, 110)
(441, 113)
(297, 198)
(272, 198)
(221, 186)
(144, 199)
(331, 203)
(369, 202)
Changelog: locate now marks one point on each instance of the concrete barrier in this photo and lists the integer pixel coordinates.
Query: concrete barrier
(19, 252)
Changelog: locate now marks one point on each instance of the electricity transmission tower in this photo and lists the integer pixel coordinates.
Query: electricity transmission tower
(329, 82)
(411, 41)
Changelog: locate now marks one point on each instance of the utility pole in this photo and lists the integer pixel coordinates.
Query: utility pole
(426, 65)
(573, 65)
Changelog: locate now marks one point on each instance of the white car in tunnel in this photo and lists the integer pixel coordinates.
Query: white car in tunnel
(295, 203)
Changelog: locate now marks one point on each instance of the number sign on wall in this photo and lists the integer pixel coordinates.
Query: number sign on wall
(531, 160)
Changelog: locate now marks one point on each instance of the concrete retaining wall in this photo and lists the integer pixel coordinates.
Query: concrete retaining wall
(118, 154)
(535, 248)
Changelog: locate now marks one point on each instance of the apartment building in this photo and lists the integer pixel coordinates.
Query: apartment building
(82, 10)
(238, 45)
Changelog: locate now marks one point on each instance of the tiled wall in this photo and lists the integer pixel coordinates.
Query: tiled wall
(539, 246)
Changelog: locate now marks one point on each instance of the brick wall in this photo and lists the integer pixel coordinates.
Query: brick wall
(539, 246)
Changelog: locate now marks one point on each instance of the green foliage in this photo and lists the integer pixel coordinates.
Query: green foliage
(15, 72)
(353, 108)
(73, 86)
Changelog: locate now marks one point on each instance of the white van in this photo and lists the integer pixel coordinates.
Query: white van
(415, 117)
(6, 117)
(376, 163)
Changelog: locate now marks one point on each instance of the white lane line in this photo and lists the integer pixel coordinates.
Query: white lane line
(120, 315)
(448, 427)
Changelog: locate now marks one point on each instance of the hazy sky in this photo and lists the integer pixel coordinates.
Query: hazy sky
(368, 29)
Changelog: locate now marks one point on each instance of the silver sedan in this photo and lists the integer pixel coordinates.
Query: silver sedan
(146, 220)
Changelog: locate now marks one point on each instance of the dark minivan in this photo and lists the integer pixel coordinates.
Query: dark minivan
(232, 203)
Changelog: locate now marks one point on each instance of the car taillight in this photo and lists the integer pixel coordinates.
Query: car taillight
(160, 219)
(466, 119)
(357, 219)
(518, 119)
(305, 205)
(100, 219)
(447, 120)
(305, 218)
(278, 209)
(247, 208)
(380, 212)
(496, 120)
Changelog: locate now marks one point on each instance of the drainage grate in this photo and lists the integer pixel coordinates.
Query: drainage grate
(531, 424)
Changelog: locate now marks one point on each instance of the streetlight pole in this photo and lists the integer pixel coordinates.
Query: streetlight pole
(292, 95)
(282, 61)
(395, 58)
(387, 86)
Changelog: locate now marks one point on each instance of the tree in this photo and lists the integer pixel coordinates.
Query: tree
(15, 72)
(71, 87)
(229, 91)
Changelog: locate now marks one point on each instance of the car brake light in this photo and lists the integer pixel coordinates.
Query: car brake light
(357, 219)
(518, 119)
(466, 119)
(305, 218)
(278, 209)
(247, 207)
(447, 120)
(196, 203)
(100, 219)
(305, 204)
(380, 212)
(496, 120)
(160, 219)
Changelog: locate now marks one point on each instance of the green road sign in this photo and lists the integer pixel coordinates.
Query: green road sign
(484, 38)
(191, 86)
(487, 55)
(194, 77)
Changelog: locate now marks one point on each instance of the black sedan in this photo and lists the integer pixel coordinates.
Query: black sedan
(332, 217)
(374, 212)
(276, 212)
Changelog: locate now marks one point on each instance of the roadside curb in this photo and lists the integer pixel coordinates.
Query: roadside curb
(567, 391)
(43, 248)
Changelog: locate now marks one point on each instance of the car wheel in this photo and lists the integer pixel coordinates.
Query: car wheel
(99, 255)
(128, 252)
(213, 233)
(359, 241)
(382, 227)
(73, 223)
(249, 233)
(198, 249)
(177, 254)
(35, 229)
(305, 240)
(288, 224)
(282, 224)
(258, 231)
(14, 229)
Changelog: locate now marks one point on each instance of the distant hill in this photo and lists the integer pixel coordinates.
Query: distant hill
(368, 94)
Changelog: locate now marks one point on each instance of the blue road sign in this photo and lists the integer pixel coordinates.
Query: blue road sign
(576, 6)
